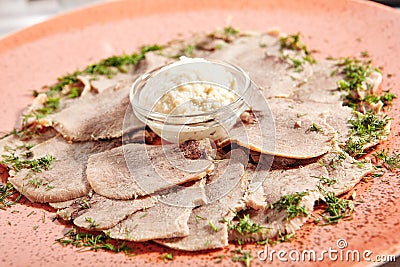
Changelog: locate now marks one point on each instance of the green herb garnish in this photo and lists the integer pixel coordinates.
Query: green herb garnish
(244, 256)
(390, 161)
(245, 225)
(74, 92)
(7, 193)
(337, 208)
(213, 226)
(365, 128)
(292, 42)
(316, 128)
(291, 203)
(93, 242)
(326, 180)
(168, 257)
(229, 30)
(92, 222)
(35, 165)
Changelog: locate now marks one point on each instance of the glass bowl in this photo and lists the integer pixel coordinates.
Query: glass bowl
(148, 90)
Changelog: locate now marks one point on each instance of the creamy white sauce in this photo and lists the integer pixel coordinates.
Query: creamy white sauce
(194, 98)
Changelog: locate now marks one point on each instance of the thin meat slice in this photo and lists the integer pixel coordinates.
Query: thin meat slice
(208, 223)
(321, 87)
(344, 172)
(66, 178)
(259, 56)
(276, 185)
(104, 213)
(278, 134)
(160, 221)
(333, 118)
(137, 170)
(94, 117)
(274, 223)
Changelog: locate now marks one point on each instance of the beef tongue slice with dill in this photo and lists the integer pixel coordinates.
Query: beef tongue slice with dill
(208, 223)
(56, 172)
(260, 55)
(283, 131)
(344, 172)
(103, 213)
(94, 117)
(159, 221)
(137, 170)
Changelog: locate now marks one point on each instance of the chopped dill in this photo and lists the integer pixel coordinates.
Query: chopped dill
(7, 195)
(326, 180)
(337, 160)
(355, 80)
(167, 257)
(213, 226)
(245, 225)
(292, 42)
(35, 165)
(316, 128)
(188, 50)
(74, 92)
(229, 30)
(390, 161)
(52, 105)
(337, 208)
(365, 128)
(94, 242)
(291, 203)
(198, 218)
(107, 66)
(92, 222)
(84, 204)
(244, 256)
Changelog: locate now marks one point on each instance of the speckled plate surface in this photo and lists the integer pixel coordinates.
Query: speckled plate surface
(37, 55)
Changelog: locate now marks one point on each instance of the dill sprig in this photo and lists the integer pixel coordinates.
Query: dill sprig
(7, 193)
(244, 256)
(337, 208)
(390, 161)
(245, 225)
(356, 73)
(316, 128)
(213, 226)
(291, 203)
(365, 128)
(326, 180)
(167, 257)
(94, 242)
(292, 42)
(15, 163)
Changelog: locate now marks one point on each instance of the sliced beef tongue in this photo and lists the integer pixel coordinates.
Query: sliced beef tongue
(321, 87)
(275, 222)
(159, 221)
(137, 170)
(66, 178)
(276, 185)
(259, 56)
(344, 172)
(94, 117)
(104, 213)
(208, 223)
(280, 134)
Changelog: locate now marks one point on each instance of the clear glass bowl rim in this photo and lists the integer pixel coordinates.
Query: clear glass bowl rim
(161, 116)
